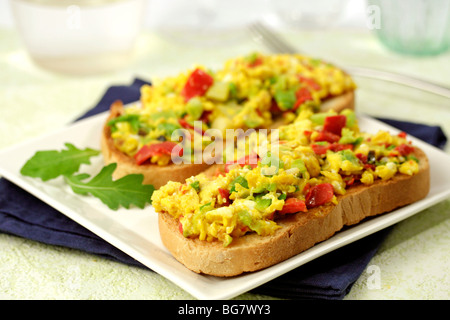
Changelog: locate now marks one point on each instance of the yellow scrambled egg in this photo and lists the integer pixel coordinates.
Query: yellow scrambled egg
(247, 92)
(303, 169)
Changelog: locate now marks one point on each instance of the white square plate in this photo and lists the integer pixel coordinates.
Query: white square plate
(135, 231)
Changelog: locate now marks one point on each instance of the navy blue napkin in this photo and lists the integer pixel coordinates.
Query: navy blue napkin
(328, 277)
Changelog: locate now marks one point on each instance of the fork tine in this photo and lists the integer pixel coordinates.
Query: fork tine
(272, 40)
(267, 38)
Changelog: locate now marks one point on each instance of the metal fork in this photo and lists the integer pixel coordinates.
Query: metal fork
(277, 45)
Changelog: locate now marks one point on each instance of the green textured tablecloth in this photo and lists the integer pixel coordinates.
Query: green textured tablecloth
(413, 263)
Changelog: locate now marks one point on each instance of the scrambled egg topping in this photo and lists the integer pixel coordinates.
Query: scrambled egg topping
(248, 92)
(317, 157)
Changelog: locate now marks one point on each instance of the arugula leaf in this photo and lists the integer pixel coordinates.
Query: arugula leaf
(125, 191)
(50, 164)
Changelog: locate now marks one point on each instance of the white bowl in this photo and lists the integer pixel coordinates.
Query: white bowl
(87, 37)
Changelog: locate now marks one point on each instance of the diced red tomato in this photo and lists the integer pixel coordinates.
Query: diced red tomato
(258, 61)
(250, 159)
(185, 124)
(293, 205)
(274, 108)
(306, 188)
(402, 134)
(350, 180)
(319, 149)
(197, 84)
(143, 155)
(319, 195)
(327, 136)
(404, 149)
(303, 95)
(146, 152)
(362, 157)
(335, 147)
(334, 124)
(225, 194)
(310, 82)
(205, 116)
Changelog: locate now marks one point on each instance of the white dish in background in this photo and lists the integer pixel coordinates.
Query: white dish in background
(79, 37)
(135, 231)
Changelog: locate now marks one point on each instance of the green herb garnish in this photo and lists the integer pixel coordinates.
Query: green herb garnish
(125, 191)
(51, 164)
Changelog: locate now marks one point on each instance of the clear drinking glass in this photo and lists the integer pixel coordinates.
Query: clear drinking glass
(415, 27)
(79, 37)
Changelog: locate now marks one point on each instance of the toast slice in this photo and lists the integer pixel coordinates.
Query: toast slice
(298, 232)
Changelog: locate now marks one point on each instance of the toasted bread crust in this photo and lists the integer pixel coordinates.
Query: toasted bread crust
(300, 231)
(339, 103)
(158, 175)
